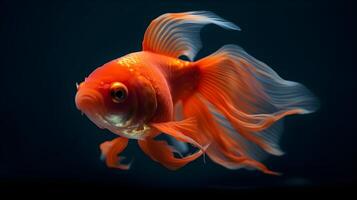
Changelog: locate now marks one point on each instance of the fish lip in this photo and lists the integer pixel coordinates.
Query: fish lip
(91, 103)
(89, 98)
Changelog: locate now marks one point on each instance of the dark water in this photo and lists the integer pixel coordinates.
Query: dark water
(48, 46)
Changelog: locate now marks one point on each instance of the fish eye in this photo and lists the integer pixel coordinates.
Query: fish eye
(118, 92)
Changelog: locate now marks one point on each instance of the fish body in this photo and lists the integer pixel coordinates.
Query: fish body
(228, 105)
(171, 78)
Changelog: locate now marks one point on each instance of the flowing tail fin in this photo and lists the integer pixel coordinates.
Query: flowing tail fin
(240, 103)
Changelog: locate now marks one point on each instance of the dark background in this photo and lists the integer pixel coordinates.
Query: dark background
(48, 46)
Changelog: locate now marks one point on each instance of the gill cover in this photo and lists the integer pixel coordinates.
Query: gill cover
(146, 98)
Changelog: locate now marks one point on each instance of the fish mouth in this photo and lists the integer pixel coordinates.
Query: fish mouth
(91, 103)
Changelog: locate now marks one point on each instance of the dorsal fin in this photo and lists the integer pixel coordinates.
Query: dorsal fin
(177, 34)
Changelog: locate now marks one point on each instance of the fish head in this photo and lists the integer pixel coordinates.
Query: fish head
(118, 99)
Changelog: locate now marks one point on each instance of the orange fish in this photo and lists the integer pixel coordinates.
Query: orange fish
(228, 105)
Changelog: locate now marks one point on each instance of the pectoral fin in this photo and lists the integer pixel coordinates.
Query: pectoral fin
(163, 153)
(185, 131)
(110, 151)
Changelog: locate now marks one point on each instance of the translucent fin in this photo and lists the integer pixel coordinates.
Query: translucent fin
(161, 152)
(225, 147)
(110, 151)
(180, 147)
(177, 34)
(270, 135)
(184, 130)
(261, 88)
(250, 95)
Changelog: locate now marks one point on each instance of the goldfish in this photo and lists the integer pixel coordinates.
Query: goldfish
(228, 105)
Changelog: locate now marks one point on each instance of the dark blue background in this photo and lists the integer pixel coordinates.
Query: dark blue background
(48, 46)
